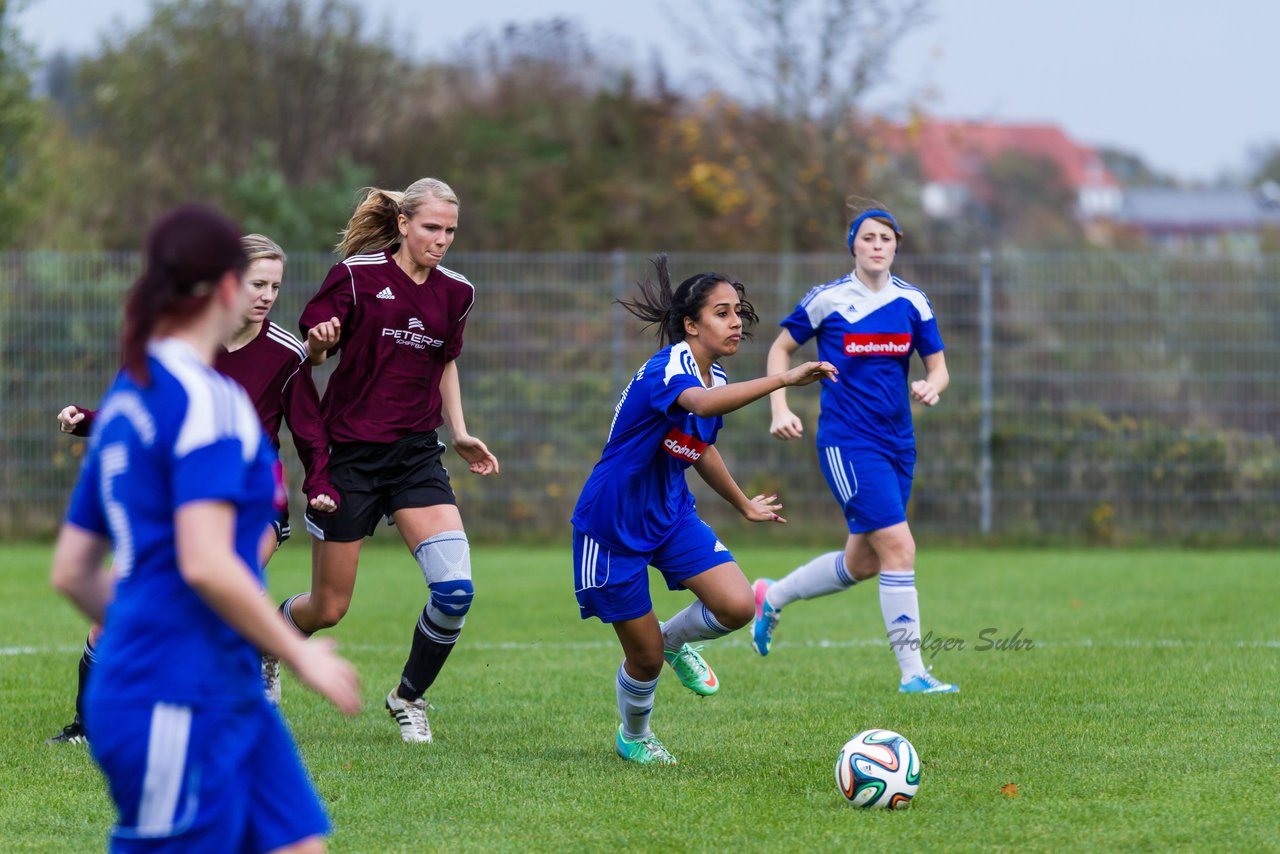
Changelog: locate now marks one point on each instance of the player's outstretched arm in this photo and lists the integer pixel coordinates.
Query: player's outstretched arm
(706, 402)
(711, 468)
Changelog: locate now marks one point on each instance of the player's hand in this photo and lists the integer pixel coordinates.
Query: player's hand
(924, 392)
(763, 508)
(477, 455)
(786, 426)
(323, 337)
(317, 663)
(322, 502)
(68, 418)
(810, 372)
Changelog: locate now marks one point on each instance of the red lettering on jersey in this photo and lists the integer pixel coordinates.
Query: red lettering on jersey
(683, 446)
(877, 344)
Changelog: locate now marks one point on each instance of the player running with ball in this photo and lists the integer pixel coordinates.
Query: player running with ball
(636, 509)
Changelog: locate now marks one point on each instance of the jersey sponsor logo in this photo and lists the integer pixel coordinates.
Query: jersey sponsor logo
(409, 338)
(385, 293)
(683, 446)
(877, 343)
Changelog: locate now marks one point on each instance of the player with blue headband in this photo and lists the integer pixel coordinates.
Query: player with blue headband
(867, 323)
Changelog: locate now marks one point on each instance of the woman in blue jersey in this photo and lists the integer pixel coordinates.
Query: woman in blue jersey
(636, 510)
(868, 323)
(180, 484)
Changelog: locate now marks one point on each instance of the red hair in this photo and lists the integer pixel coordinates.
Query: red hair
(188, 252)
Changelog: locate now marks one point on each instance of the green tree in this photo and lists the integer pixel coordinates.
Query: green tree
(229, 87)
(22, 120)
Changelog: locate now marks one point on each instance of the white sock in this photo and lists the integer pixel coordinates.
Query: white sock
(694, 623)
(821, 576)
(635, 705)
(901, 609)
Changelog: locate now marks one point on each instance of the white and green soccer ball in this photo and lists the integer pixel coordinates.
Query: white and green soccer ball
(878, 769)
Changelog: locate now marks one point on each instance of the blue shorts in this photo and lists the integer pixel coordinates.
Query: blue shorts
(614, 585)
(872, 487)
(193, 780)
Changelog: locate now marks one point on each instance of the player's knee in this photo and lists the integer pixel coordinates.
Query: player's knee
(328, 613)
(450, 601)
(646, 664)
(863, 570)
(445, 560)
(737, 611)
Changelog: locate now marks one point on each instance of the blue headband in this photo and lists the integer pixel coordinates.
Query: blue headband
(853, 228)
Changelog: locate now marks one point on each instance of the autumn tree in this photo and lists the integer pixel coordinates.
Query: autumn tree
(809, 65)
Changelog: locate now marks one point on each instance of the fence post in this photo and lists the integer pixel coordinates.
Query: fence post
(985, 392)
(617, 346)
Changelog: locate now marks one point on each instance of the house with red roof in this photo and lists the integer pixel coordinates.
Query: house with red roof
(953, 157)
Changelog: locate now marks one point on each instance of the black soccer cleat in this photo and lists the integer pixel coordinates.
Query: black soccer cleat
(72, 733)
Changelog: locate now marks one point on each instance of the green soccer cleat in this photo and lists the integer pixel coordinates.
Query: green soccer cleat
(646, 751)
(692, 670)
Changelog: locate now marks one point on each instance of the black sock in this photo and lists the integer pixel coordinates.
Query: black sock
(82, 676)
(431, 646)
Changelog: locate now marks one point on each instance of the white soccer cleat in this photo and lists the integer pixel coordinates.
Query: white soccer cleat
(271, 679)
(411, 716)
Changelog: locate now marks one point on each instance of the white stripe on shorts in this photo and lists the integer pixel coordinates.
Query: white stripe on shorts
(166, 768)
(836, 463)
(587, 569)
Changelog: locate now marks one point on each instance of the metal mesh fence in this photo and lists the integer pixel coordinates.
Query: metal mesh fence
(1095, 397)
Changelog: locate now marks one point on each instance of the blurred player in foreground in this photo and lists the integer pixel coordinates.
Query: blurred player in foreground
(180, 485)
(272, 366)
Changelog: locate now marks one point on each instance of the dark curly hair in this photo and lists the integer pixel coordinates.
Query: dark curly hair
(659, 305)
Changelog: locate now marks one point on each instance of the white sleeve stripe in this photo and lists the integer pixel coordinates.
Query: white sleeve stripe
(284, 339)
(455, 275)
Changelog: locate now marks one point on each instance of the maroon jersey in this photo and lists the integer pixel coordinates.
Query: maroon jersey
(397, 336)
(275, 371)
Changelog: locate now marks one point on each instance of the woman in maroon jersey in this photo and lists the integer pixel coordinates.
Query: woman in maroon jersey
(273, 367)
(397, 317)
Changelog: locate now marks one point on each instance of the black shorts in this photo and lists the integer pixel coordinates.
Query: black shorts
(281, 527)
(375, 479)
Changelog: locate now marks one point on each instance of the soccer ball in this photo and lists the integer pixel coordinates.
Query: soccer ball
(878, 769)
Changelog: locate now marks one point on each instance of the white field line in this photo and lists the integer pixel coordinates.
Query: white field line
(854, 643)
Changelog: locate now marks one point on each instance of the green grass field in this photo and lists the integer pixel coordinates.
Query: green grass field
(1144, 716)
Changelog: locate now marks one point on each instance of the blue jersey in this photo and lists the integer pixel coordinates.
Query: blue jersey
(637, 492)
(869, 336)
(190, 435)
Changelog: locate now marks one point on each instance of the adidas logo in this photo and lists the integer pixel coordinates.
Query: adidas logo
(903, 620)
(385, 293)
(415, 323)
(720, 547)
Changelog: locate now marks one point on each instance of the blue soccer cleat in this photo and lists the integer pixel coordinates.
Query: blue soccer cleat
(925, 683)
(766, 618)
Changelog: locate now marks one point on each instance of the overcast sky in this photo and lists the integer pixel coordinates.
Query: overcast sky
(1178, 82)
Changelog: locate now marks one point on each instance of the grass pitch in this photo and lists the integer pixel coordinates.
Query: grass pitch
(1132, 706)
